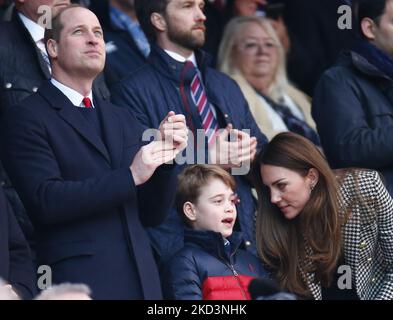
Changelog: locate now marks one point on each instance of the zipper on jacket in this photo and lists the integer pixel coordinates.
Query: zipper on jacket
(238, 281)
(235, 274)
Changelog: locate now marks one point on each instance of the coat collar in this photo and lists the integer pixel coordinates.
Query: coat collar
(69, 113)
(213, 242)
(162, 62)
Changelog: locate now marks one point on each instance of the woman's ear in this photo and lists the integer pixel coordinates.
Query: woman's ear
(189, 211)
(368, 28)
(51, 48)
(313, 177)
(158, 21)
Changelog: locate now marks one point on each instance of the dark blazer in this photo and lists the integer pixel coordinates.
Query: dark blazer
(154, 90)
(79, 192)
(22, 71)
(16, 266)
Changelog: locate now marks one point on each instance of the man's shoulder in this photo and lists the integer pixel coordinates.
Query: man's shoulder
(141, 76)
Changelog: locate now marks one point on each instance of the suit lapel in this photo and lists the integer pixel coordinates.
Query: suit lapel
(23, 31)
(112, 131)
(73, 117)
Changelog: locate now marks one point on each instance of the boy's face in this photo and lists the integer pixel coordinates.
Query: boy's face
(215, 209)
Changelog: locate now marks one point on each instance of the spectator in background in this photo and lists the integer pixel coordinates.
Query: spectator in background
(315, 39)
(353, 103)
(213, 102)
(323, 234)
(16, 265)
(251, 54)
(66, 291)
(126, 45)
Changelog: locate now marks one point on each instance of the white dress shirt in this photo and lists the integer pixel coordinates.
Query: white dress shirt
(74, 96)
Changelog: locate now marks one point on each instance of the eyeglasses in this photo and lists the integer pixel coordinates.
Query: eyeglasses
(253, 47)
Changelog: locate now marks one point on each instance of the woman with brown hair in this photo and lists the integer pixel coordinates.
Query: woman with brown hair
(323, 234)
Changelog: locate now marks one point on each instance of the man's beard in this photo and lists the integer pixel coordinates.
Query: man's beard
(185, 39)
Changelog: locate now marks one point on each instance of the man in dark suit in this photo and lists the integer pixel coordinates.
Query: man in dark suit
(16, 266)
(23, 69)
(80, 168)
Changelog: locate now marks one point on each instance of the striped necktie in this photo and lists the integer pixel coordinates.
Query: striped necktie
(205, 109)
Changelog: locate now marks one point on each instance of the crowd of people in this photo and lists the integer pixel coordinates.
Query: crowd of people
(184, 149)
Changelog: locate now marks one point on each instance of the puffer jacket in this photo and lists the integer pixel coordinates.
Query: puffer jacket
(203, 270)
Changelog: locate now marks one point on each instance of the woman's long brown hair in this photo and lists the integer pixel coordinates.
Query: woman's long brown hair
(281, 242)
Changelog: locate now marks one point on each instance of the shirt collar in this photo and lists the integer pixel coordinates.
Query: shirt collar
(36, 31)
(180, 58)
(74, 96)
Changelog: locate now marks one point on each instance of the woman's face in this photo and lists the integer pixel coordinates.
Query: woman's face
(289, 190)
(255, 54)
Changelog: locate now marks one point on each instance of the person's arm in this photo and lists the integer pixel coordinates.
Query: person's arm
(181, 280)
(28, 158)
(383, 206)
(343, 126)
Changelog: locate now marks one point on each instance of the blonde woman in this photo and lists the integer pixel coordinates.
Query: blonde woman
(251, 53)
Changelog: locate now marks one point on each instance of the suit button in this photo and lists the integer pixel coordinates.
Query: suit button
(363, 244)
(2, 183)
(373, 280)
(35, 89)
(226, 115)
(8, 85)
(247, 243)
(369, 259)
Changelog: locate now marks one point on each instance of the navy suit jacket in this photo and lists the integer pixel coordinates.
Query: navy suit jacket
(80, 194)
(16, 266)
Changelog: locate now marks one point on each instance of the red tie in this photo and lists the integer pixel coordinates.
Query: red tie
(87, 102)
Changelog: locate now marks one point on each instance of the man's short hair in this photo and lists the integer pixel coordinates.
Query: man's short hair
(144, 10)
(55, 292)
(372, 9)
(55, 31)
(194, 178)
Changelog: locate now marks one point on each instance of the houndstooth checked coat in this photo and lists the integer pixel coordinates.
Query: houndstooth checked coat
(368, 238)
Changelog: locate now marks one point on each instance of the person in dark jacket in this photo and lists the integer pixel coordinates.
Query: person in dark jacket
(24, 67)
(84, 173)
(16, 266)
(126, 44)
(353, 101)
(212, 265)
(176, 33)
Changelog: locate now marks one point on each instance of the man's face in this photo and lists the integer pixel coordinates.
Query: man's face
(185, 23)
(31, 8)
(383, 32)
(80, 51)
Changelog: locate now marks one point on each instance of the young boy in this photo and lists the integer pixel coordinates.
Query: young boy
(211, 266)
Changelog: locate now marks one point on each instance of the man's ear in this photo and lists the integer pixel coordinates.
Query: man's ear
(158, 21)
(51, 48)
(189, 211)
(368, 28)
